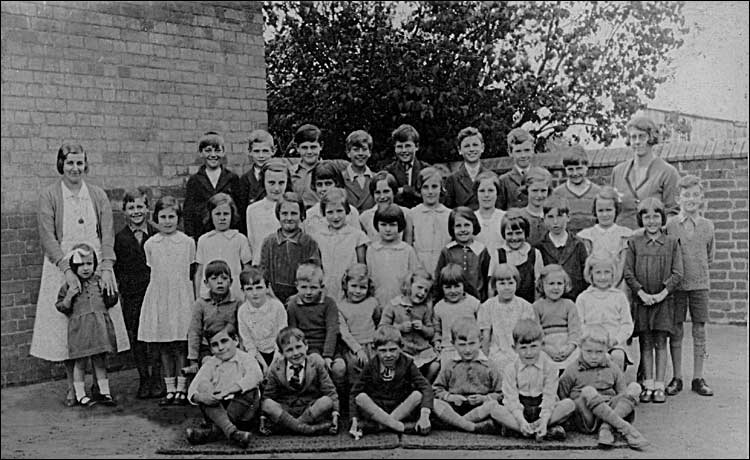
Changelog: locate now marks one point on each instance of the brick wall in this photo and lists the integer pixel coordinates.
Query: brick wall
(723, 167)
(135, 83)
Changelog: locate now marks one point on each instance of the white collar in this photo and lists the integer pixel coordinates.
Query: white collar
(352, 174)
(476, 246)
(522, 172)
(83, 192)
(557, 241)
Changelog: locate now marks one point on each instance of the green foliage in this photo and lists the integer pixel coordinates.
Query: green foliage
(442, 66)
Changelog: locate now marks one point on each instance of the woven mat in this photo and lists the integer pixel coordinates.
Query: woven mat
(282, 443)
(457, 440)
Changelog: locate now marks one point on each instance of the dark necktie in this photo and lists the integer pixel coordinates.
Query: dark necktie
(296, 380)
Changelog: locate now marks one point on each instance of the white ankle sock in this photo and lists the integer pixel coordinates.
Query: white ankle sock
(182, 384)
(659, 386)
(103, 386)
(169, 382)
(80, 389)
(648, 384)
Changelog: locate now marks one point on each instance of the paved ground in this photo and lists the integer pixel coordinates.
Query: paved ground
(35, 424)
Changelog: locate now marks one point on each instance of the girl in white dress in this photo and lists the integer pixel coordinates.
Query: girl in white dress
(166, 312)
(606, 237)
(486, 189)
(71, 212)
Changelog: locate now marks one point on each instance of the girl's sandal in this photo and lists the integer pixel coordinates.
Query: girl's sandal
(86, 402)
(168, 399)
(180, 398)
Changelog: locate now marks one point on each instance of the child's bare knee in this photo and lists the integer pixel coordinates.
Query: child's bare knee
(633, 389)
(361, 399)
(325, 402)
(567, 405)
(415, 395)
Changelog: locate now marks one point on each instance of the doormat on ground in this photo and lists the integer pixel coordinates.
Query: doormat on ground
(283, 443)
(457, 440)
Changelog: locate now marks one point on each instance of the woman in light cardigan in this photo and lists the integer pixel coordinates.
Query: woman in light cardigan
(71, 211)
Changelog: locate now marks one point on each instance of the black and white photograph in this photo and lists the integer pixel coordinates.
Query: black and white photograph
(374, 229)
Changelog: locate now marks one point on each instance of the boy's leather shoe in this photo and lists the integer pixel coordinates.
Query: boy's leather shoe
(646, 395)
(674, 387)
(700, 387)
(201, 435)
(241, 438)
(659, 396)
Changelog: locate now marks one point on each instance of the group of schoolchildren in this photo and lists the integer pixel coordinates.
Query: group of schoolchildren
(403, 298)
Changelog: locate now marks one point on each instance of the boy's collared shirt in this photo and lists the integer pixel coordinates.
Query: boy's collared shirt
(539, 378)
(606, 377)
(469, 377)
(697, 246)
(258, 327)
(473, 170)
(362, 177)
(316, 382)
(241, 369)
(521, 171)
(290, 370)
(207, 312)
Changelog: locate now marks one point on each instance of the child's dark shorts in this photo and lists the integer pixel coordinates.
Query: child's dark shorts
(532, 407)
(243, 408)
(695, 301)
(463, 409)
(579, 423)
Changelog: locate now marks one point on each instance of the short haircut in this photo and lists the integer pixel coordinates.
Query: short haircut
(468, 132)
(518, 136)
(214, 328)
(307, 133)
(430, 173)
(548, 270)
(388, 178)
(575, 155)
(326, 170)
(335, 195)
(527, 331)
(386, 333)
(211, 139)
(645, 124)
(486, 175)
(452, 274)
(358, 272)
(688, 181)
(310, 272)
(463, 328)
(556, 202)
(465, 213)
(287, 334)
(252, 275)
(67, 149)
(275, 165)
(358, 138)
(167, 201)
(405, 133)
(651, 204)
(596, 334)
(409, 280)
(290, 197)
(260, 136)
(607, 192)
(217, 200)
(217, 267)
(514, 220)
(133, 194)
(86, 250)
(391, 214)
(596, 259)
(504, 272)
(537, 174)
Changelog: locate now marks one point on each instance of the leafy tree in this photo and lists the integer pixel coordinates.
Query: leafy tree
(442, 66)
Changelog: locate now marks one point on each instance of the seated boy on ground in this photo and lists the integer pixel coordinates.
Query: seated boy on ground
(530, 406)
(391, 388)
(298, 393)
(602, 398)
(469, 389)
(225, 388)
